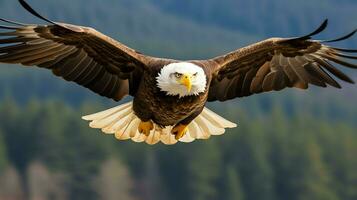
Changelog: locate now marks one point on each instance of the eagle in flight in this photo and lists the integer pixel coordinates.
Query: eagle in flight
(169, 96)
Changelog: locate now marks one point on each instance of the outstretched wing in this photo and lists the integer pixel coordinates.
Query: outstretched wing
(277, 63)
(78, 54)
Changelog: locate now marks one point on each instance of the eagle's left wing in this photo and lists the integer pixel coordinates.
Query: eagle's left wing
(75, 53)
(277, 63)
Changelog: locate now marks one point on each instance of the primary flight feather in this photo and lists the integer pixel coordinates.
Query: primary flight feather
(169, 95)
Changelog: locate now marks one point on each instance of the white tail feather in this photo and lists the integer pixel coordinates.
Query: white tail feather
(123, 122)
(154, 136)
(105, 113)
(139, 137)
(217, 120)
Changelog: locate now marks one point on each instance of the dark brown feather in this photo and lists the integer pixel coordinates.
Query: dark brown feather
(335, 71)
(257, 82)
(294, 62)
(318, 77)
(77, 54)
(51, 62)
(338, 61)
(292, 76)
(268, 82)
(79, 69)
(247, 81)
(280, 81)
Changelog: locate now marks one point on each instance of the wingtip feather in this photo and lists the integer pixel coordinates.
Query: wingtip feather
(341, 38)
(27, 7)
(321, 28)
(13, 22)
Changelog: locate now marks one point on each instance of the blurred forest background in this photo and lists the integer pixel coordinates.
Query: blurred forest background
(292, 145)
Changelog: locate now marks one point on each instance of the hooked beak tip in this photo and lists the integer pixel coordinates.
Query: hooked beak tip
(186, 81)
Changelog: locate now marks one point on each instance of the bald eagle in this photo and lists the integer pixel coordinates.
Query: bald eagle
(169, 96)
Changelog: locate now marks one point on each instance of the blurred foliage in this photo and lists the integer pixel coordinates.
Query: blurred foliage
(268, 157)
(3, 153)
(291, 145)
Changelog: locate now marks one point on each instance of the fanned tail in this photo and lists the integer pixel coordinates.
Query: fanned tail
(123, 123)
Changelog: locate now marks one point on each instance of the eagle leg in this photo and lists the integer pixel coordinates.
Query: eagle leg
(179, 131)
(145, 127)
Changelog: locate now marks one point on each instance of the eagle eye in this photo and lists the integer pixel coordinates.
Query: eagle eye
(177, 75)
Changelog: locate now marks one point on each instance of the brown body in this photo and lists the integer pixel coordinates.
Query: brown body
(152, 104)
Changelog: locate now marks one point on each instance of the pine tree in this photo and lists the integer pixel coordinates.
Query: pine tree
(204, 171)
(234, 190)
(153, 188)
(314, 179)
(3, 153)
(114, 181)
(11, 184)
(253, 163)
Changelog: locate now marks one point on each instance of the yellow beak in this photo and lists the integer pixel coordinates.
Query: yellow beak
(186, 81)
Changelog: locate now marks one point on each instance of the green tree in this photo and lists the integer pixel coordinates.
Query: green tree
(314, 180)
(153, 188)
(3, 153)
(114, 181)
(204, 168)
(253, 163)
(233, 187)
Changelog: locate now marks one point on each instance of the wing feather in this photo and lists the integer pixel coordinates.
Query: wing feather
(278, 63)
(75, 53)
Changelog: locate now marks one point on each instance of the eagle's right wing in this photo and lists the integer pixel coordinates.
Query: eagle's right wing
(79, 54)
(278, 63)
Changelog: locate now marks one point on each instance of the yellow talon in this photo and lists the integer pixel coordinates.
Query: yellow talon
(145, 127)
(179, 131)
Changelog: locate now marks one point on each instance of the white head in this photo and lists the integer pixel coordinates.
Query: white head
(182, 79)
